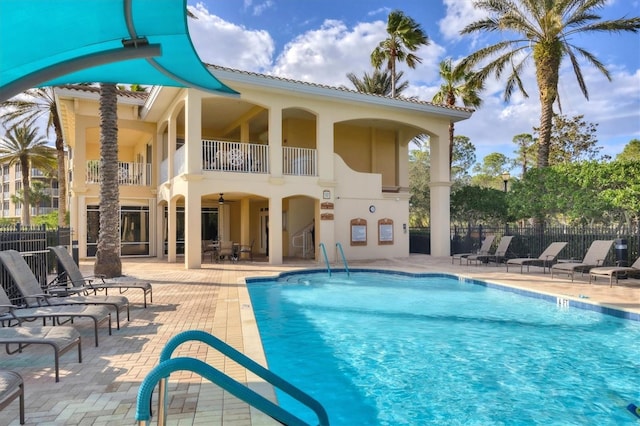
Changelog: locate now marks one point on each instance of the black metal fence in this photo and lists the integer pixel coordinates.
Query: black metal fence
(531, 241)
(32, 242)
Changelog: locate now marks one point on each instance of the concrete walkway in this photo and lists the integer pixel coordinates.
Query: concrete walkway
(102, 390)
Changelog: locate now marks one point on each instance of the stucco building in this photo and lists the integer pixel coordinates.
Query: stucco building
(294, 168)
(11, 180)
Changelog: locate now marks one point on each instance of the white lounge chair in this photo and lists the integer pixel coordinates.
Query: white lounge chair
(594, 257)
(614, 271)
(484, 249)
(28, 285)
(79, 283)
(546, 259)
(497, 256)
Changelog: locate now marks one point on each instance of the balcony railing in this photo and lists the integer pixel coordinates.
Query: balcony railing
(235, 157)
(129, 174)
(299, 161)
(224, 156)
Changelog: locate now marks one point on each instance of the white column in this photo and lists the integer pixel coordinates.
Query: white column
(324, 145)
(193, 230)
(440, 188)
(193, 132)
(275, 230)
(171, 230)
(275, 142)
(171, 149)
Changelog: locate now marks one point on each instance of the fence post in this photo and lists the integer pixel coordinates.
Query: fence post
(74, 252)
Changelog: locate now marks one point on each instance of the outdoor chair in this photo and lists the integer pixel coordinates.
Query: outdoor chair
(73, 281)
(208, 247)
(484, 249)
(61, 339)
(28, 285)
(228, 250)
(497, 256)
(247, 249)
(11, 314)
(11, 387)
(594, 257)
(614, 272)
(546, 259)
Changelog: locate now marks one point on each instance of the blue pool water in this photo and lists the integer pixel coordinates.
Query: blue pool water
(392, 349)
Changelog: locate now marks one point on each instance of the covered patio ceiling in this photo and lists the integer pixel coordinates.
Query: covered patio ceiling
(48, 43)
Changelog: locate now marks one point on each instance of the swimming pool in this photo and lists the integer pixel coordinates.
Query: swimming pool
(399, 349)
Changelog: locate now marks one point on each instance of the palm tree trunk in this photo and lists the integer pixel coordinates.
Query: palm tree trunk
(108, 253)
(547, 58)
(26, 201)
(62, 172)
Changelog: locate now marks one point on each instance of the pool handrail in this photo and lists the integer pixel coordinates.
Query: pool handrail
(160, 374)
(344, 259)
(326, 259)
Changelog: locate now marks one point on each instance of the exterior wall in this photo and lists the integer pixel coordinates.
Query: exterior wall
(11, 182)
(362, 168)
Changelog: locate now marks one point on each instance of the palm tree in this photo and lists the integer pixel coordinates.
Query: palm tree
(458, 83)
(108, 253)
(26, 109)
(378, 83)
(404, 37)
(543, 31)
(23, 145)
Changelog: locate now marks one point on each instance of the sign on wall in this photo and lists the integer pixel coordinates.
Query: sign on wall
(358, 232)
(385, 231)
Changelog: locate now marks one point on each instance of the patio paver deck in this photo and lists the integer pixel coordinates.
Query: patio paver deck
(103, 389)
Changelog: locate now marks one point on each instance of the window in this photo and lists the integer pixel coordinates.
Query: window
(134, 230)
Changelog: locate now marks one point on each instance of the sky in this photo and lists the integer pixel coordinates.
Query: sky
(320, 41)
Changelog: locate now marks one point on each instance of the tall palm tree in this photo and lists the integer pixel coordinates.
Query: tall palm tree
(543, 30)
(457, 84)
(23, 145)
(378, 83)
(36, 103)
(108, 253)
(404, 37)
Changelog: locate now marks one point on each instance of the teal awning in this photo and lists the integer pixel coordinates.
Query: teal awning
(53, 42)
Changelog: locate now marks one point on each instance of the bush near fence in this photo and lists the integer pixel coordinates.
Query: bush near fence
(531, 242)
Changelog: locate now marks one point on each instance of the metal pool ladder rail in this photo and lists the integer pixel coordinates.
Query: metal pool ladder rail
(344, 259)
(326, 259)
(160, 374)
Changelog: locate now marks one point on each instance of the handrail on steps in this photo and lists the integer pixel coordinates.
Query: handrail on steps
(167, 365)
(326, 259)
(344, 259)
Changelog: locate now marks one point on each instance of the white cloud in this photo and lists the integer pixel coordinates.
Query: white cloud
(459, 13)
(327, 54)
(223, 43)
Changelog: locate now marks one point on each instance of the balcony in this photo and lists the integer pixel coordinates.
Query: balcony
(235, 157)
(129, 174)
(240, 157)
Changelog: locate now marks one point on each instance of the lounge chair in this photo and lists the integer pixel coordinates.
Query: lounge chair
(11, 387)
(484, 249)
(73, 277)
(29, 286)
(546, 259)
(61, 338)
(614, 271)
(497, 256)
(594, 257)
(10, 313)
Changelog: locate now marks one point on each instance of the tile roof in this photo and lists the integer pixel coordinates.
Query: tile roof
(342, 89)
